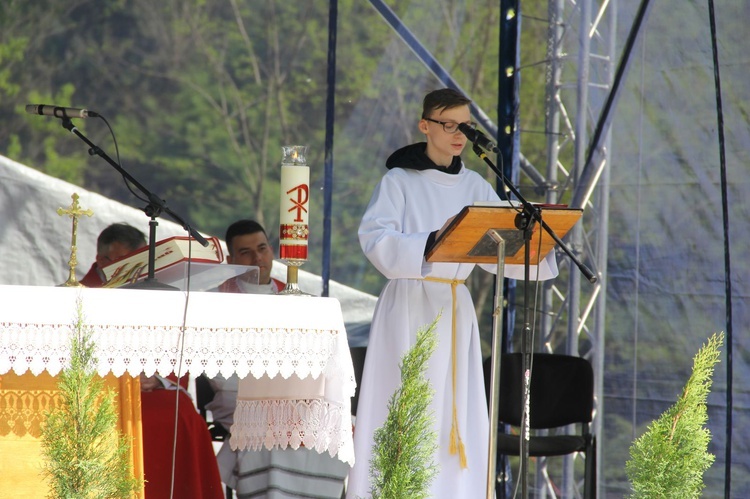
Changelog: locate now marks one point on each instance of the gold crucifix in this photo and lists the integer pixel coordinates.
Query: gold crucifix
(74, 211)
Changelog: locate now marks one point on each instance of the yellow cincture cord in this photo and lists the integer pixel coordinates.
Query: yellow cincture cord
(456, 444)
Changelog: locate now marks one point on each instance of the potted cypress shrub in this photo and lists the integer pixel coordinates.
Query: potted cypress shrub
(402, 463)
(85, 456)
(669, 459)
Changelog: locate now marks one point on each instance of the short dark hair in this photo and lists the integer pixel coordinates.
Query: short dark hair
(241, 228)
(120, 233)
(444, 98)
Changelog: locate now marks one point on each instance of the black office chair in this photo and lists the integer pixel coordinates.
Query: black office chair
(203, 395)
(562, 394)
(358, 362)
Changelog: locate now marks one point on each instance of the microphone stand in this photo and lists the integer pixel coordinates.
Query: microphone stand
(153, 209)
(534, 214)
(525, 220)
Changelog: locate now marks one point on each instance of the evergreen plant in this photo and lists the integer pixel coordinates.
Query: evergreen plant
(669, 459)
(85, 456)
(402, 464)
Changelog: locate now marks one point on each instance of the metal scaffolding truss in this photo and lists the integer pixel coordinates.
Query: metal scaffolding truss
(580, 72)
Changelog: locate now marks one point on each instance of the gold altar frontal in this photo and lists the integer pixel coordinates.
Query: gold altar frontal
(23, 402)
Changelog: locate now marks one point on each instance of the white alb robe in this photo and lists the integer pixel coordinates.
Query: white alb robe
(406, 206)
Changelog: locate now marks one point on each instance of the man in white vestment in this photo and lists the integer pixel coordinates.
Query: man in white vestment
(425, 187)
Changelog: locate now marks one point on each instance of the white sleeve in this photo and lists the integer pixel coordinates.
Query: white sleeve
(394, 253)
(547, 269)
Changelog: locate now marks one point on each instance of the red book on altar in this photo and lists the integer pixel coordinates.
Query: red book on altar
(169, 253)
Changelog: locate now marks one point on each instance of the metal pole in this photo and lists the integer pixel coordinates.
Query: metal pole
(497, 322)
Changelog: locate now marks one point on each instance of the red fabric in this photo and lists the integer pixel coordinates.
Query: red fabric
(92, 279)
(184, 381)
(196, 469)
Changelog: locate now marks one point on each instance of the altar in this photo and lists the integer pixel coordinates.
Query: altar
(259, 337)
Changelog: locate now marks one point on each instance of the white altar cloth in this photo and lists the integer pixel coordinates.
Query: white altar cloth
(139, 330)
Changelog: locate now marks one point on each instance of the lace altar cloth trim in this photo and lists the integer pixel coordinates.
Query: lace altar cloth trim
(316, 424)
(154, 349)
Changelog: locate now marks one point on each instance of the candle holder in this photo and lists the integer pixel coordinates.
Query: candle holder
(293, 214)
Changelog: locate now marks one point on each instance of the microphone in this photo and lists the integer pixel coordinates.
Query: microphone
(59, 112)
(478, 138)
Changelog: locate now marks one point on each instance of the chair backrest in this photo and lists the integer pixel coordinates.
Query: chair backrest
(358, 361)
(203, 393)
(562, 390)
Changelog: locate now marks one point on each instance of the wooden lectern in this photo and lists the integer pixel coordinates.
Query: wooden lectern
(469, 238)
(488, 234)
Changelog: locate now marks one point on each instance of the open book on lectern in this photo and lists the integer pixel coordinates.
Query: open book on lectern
(467, 238)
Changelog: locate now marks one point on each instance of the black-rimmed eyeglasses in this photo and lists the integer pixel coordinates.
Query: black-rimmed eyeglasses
(451, 126)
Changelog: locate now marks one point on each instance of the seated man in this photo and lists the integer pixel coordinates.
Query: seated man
(113, 243)
(196, 472)
(279, 472)
(247, 244)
